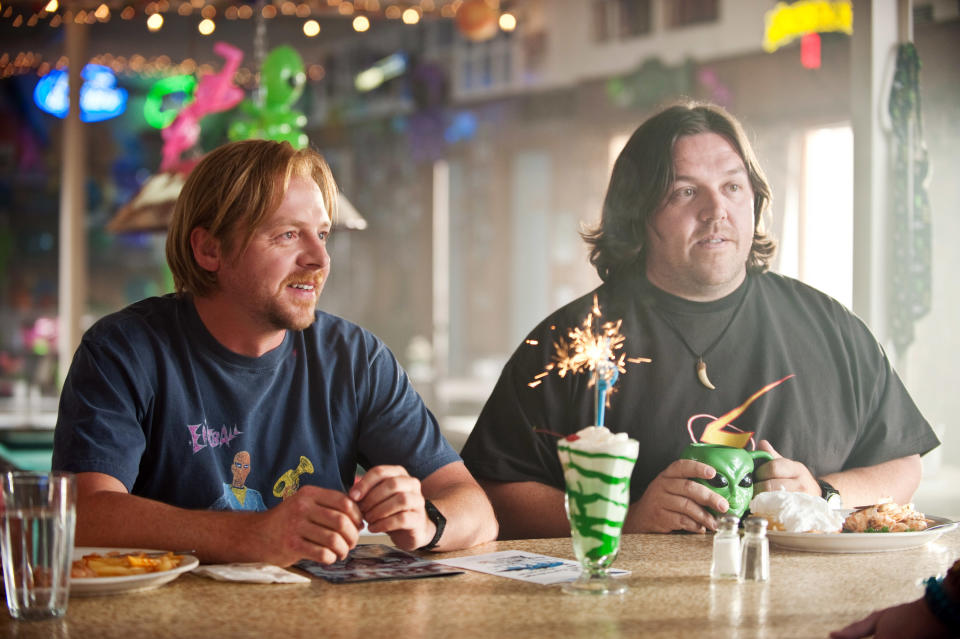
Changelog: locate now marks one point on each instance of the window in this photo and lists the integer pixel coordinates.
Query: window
(486, 66)
(816, 245)
(681, 13)
(621, 19)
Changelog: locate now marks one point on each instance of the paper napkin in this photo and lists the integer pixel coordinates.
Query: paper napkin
(256, 573)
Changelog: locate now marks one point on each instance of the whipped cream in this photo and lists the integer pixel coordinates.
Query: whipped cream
(599, 439)
(796, 512)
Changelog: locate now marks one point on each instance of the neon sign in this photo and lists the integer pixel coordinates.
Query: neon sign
(381, 71)
(100, 98)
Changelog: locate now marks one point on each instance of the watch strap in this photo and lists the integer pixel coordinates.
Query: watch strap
(438, 520)
(828, 492)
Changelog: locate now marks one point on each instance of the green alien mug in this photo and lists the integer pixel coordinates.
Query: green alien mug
(734, 478)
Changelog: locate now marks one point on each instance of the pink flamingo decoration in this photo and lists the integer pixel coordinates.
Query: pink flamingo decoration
(215, 92)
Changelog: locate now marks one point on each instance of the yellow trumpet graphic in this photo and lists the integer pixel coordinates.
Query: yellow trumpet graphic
(289, 481)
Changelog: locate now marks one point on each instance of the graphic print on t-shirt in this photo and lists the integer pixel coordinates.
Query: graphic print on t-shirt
(720, 430)
(289, 481)
(236, 495)
(202, 436)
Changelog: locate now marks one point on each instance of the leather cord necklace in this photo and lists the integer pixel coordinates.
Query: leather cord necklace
(701, 364)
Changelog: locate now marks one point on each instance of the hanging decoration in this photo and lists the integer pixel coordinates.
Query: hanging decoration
(718, 91)
(477, 20)
(283, 79)
(154, 112)
(810, 51)
(910, 268)
(100, 98)
(150, 208)
(215, 92)
(787, 22)
(650, 84)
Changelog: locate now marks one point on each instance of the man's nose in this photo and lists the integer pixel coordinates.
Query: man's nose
(714, 208)
(316, 254)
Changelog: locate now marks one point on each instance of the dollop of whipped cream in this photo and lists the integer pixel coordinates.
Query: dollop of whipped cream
(796, 512)
(599, 439)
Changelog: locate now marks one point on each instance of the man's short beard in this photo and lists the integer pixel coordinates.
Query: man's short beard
(289, 321)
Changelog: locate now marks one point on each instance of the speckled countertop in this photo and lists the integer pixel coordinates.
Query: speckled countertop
(670, 595)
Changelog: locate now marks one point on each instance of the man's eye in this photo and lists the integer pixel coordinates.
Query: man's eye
(747, 481)
(289, 235)
(323, 235)
(718, 481)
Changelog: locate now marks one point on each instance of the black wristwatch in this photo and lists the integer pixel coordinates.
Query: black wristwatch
(438, 520)
(831, 494)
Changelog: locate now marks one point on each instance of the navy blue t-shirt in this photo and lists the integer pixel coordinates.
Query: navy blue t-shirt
(155, 401)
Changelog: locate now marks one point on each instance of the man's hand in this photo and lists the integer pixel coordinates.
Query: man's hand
(912, 619)
(392, 502)
(673, 501)
(314, 523)
(781, 472)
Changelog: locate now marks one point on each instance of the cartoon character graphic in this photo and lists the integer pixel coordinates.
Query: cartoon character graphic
(289, 481)
(236, 495)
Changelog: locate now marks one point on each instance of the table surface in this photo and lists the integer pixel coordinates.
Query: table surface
(670, 595)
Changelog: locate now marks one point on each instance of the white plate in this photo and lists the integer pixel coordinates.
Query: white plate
(860, 542)
(131, 583)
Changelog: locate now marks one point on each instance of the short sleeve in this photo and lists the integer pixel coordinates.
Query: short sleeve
(101, 408)
(396, 428)
(892, 425)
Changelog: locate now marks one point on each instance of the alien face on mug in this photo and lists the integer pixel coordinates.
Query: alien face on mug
(734, 478)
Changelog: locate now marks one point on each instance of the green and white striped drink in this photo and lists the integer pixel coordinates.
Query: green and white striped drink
(597, 465)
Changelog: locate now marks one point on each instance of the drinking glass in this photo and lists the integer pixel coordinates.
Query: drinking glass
(597, 497)
(37, 518)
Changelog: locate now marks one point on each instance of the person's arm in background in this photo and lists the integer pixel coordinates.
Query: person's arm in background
(527, 509)
(315, 523)
(392, 502)
(897, 479)
(936, 615)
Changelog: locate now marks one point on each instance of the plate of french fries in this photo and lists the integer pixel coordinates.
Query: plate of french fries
(105, 571)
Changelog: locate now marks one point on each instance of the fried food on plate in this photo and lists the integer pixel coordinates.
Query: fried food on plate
(885, 517)
(115, 564)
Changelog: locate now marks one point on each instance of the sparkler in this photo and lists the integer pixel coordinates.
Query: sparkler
(594, 348)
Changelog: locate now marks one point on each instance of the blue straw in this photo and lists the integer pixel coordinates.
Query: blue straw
(607, 375)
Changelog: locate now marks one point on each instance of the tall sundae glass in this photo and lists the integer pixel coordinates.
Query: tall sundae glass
(597, 465)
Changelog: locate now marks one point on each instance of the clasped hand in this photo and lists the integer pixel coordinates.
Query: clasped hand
(674, 501)
(323, 525)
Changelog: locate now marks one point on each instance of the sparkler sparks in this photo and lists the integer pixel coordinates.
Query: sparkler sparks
(590, 347)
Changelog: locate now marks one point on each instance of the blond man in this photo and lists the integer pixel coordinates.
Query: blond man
(161, 395)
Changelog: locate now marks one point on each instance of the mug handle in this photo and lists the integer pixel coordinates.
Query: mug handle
(760, 457)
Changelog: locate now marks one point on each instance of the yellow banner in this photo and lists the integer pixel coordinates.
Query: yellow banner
(787, 22)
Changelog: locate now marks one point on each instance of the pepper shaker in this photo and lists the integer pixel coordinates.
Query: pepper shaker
(755, 551)
(726, 549)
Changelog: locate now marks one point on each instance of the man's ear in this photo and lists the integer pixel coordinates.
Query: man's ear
(206, 249)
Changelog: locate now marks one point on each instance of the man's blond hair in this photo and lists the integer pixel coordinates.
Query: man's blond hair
(230, 193)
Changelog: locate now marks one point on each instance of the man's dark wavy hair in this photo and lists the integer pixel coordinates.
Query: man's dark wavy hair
(643, 176)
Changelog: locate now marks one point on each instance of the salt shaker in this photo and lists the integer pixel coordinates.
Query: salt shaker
(726, 549)
(755, 551)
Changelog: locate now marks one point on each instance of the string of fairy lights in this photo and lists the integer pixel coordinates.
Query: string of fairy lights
(362, 14)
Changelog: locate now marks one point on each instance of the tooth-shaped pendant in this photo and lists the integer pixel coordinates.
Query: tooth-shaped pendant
(702, 374)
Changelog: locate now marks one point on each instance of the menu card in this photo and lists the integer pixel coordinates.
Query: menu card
(373, 562)
(525, 566)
